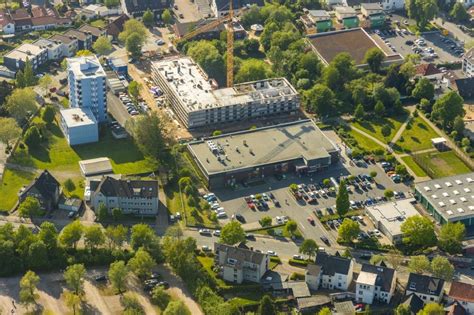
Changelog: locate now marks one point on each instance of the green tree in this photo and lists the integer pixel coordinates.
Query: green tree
(403, 309)
(379, 109)
(28, 74)
(374, 58)
(253, 70)
(359, 112)
(48, 234)
(388, 193)
(376, 259)
(45, 82)
(37, 256)
(320, 100)
(148, 18)
(69, 185)
(29, 207)
(447, 108)
(442, 268)
(342, 199)
(74, 277)
(265, 221)
(134, 90)
(167, 17)
(451, 236)
(131, 305)
(252, 16)
(134, 45)
(32, 137)
(418, 232)
(176, 308)
(432, 309)
(48, 114)
(386, 130)
(133, 26)
(71, 234)
(94, 236)
(111, 3)
(419, 264)
(458, 125)
(459, 13)
(232, 233)
(116, 213)
(118, 273)
(424, 89)
(72, 300)
(102, 212)
(291, 227)
(373, 174)
(308, 247)
(160, 297)
(209, 58)
(28, 287)
(84, 53)
(9, 130)
(142, 235)
(348, 230)
(216, 133)
(102, 45)
(116, 235)
(422, 11)
(266, 307)
(141, 263)
(147, 133)
(21, 103)
(401, 170)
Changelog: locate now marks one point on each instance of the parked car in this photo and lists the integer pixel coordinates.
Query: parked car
(204, 231)
(311, 221)
(101, 278)
(298, 257)
(216, 233)
(325, 239)
(272, 253)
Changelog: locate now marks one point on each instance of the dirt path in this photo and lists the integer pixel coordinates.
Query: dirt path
(96, 300)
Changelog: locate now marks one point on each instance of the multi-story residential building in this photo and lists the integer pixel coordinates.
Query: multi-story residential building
(95, 32)
(468, 63)
(429, 289)
(87, 86)
(329, 272)
(54, 48)
(45, 188)
(84, 39)
(197, 102)
(79, 125)
(463, 293)
(69, 44)
(16, 58)
(138, 197)
(375, 283)
(240, 263)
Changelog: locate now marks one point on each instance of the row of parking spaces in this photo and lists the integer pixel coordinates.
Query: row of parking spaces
(133, 109)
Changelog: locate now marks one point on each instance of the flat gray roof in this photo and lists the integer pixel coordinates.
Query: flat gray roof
(95, 166)
(393, 214)
(251, 148)
(78, 116)
(452, 197)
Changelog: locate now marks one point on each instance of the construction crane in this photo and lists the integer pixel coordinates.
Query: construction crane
(230, 39)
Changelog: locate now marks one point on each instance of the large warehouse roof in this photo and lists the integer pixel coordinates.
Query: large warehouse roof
(354, 41)
(453, 196)
(251, 148)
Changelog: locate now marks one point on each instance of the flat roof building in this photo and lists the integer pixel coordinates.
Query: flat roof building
(94, 167)
(389, 217)
(356, 42)
(252, 155)
(449, 199)
(79, 126)
(197, 102)
(16, 58)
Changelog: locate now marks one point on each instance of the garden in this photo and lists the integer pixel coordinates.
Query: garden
(417, 136)
(375, 127)
(441, 164)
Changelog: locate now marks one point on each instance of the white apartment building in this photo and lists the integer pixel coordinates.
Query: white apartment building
(54, 49)
(197, 102)
(138, 197)
(240, 263)
(428, 289)
(79, 125)
(468, 63)
(329, 272)
(375, 283)
(69, 44)
(87, 85)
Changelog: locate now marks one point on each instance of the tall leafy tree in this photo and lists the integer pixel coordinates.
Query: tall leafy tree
(71, 234)
(232, 233)
(374, 58)
(28, 287)
(451, 237)
(21, 103)
(342, 199)
(167, 17)
(48, 234)
(176, 308)
(142, 236)
(102, 45)
(422, 11)
(442, 268)
(148, 18)
(9, 130)
(29, 207)
(423, 89)
(419, 264)
(147, 131)
(418, 232)
(447, 108)
(308, 247)
(432, 309)
(118, 273)
(116, 235)
(348, 230)
(459, 13)
(37, 256)
(253, 70)
(141, 263)
(32, 137)
(134, 44)
(266, 307)
(74, 276)
(320, 100)
(93, 236)
(48, 114)
(209, 58)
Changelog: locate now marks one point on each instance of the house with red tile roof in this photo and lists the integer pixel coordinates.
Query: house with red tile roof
(463, 293)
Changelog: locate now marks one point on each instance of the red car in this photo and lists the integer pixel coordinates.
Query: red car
(311, 220)
(251, 205)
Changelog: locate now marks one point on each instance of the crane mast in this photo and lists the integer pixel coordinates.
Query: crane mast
(230, 47)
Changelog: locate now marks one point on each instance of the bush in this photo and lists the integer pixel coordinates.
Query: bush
(297, 276)
(275, 259)
(297, 262)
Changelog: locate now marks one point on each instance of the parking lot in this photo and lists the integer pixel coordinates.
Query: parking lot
(404, 42)
(233, 202)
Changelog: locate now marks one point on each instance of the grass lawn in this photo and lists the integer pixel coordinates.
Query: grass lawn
(364, 142)
(55, 154)
(414, 167)
(11, 183)
(99, 23)
(417, 136)
(442, 164)
(207, 263)
(374, 126)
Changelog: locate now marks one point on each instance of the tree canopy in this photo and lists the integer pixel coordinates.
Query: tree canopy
(9, 130)
(232, 233)
(348, 230)
(102, 45)
(21, 103)
(422, 11)
(342, 199)
(374, 58)
(418, 232)
(451, 236)
(253, 70)
(447, 108)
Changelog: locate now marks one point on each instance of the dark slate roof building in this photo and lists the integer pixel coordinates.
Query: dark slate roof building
(115, 27)
(429, 289)
(414, 303)
(465, 87)
(331, 265)
(385, 275)
(134, 8)
(45, 188)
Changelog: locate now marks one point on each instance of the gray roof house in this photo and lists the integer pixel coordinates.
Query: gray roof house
(329, 272)
(429, 289)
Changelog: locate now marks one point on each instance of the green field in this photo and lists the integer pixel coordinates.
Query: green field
(11, 183)
(442, 164)
(365, 143)
(417, 136)
(55, 154)
(413, 166)
(374, 126)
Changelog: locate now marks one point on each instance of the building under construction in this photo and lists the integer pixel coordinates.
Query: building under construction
(197, 101)
(252, 155)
